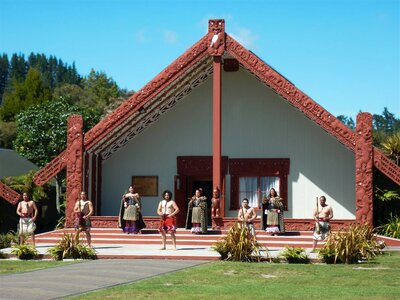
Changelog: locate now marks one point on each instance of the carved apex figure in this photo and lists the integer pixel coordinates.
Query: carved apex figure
(217, 44)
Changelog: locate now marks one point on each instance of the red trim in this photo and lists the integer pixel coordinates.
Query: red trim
(86, 171)
(8, 194)
(93, 195)
(217, 123)
(99, 183)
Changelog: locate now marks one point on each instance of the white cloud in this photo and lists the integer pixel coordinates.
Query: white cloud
(170, 37)
(245, 37)
(140, 36)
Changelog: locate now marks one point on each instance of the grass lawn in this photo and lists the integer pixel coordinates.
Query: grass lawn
(379, 279)
(16, 266)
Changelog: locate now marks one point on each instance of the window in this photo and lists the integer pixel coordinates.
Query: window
(252, 178)
(255, 188)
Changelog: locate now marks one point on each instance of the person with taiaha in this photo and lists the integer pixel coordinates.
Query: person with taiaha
(322, 215)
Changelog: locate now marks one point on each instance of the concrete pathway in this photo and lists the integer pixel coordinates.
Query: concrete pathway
(59, 282)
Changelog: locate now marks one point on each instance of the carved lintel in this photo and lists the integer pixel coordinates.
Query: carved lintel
(216, 30)
(364, 169)
(74, 165)
(8, 194)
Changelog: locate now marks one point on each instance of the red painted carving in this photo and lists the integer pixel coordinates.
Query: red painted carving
(216, 29)
(51, 169)
(386, 166)
(364, 168)
(199, 165)
(8, 194)
(74, 165)
(289, 92)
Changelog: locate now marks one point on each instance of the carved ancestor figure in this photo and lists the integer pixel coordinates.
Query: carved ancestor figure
(196, 218)
(215, 202)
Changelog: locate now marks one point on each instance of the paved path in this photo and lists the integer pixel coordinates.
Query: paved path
(58, 282)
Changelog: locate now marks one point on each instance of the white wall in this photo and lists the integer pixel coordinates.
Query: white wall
(256, 123)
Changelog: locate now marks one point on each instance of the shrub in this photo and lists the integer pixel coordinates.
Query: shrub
(295, 255)
(6, 239)
(357, 242)
(239, 245)
(70, 246)
(24, 251)
(392, 228)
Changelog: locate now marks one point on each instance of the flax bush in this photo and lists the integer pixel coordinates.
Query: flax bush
(392, 228)
(239, 245)
(295, 255)
(24, 251)
(6, 239)
(351, 245)
(70, 246)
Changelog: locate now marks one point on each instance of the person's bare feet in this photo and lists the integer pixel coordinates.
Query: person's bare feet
(162, 248)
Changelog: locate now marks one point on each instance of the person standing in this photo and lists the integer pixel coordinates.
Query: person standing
(84, 210)
(247, 215)
(130, 216)
(167, 210)
(272, 213)
(196, 218)
(322, 216)
(27, 210)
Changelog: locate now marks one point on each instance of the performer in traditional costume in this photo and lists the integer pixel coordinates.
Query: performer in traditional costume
(27, 210)
(130, 216)
(322, 217)
(167, 210)
(83, 210)
(196, 218)
(247, 215)
(272, 213)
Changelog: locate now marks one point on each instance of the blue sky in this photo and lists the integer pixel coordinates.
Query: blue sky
(345, 54)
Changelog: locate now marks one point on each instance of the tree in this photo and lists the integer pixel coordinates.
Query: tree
(348, 121)
(4, 70)
(391, 147)
(30, 92)
(42, 132)
(387, 122)
(101, 90)
(8, 130)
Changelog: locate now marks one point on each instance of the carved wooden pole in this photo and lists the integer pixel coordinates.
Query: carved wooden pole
(364, 169)
(216, 29)
(74, 165)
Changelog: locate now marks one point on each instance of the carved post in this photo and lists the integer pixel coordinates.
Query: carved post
(216, 29)
(74, 165)
(364, 169)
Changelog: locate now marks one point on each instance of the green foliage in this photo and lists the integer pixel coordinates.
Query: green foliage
(4, 70)
(386, 195)
(6, 239)
(351, 245)
(391, 228)
(239, 245)
(101, 90)
(348, 121)
(24, 251)
(391, 147)
(24, 184)
(295, 255)
(70, 246)
(8, 131)
(30, 92)
(42, 129)
(2, 255)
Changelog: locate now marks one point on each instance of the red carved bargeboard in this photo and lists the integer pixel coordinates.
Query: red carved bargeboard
(364, 169)
(386, 166)
(51, 169)
(74, 165)
(8, 194)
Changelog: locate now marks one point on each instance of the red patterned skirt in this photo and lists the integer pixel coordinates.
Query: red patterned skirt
(167, 224)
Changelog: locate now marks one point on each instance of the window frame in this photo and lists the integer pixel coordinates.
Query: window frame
(259, 167)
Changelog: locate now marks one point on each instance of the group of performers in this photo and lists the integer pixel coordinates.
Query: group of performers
(131, 219)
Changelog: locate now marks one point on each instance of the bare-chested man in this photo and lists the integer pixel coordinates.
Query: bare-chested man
(322, 216)
(84, 209)
(167, 209)
(247, 214)
(27, 210)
